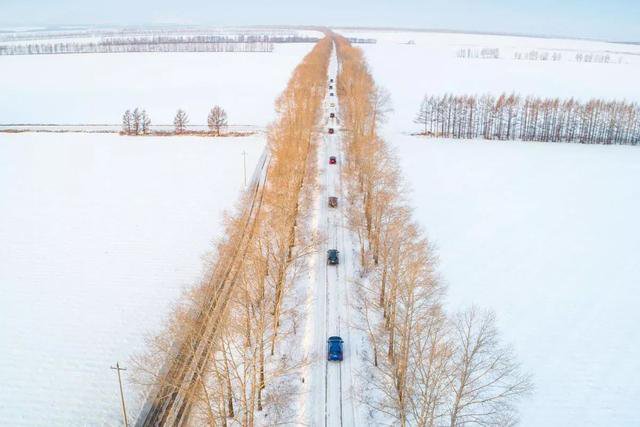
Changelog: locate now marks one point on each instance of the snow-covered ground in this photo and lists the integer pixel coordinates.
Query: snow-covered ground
(98, 88)
(430, 66)
(546, 235)
(99, 234)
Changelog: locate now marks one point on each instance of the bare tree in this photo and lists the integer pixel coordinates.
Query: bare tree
(126, 123)
(217, 119)
(145, 122)
(233, 322)
(424, 372)
(181, 121)
(135, 121)
(381, 105)
(423, 117)
(485, 378)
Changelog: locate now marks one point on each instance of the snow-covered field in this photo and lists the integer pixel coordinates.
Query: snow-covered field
(99, 234)
(546, 235)
(98, 88)
(430, 66)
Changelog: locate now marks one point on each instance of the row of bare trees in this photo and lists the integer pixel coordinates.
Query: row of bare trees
(511, 117)
(250, 375)
(133, 45)
(224, 34)
(208, 38)
(429, 368)
(139, 123)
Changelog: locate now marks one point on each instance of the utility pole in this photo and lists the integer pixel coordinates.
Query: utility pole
(244, 166)
(124, 409)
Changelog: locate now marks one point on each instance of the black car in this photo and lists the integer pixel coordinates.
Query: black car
(331, 130)
(332, 257)
(332, 115)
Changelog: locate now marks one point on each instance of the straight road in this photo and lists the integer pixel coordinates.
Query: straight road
(331, 382)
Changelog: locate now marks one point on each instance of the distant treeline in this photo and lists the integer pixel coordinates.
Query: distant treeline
(362, 41)
(485, 53)
(99, 34)
(101, 47)
(539, 55)
(513, 117)
(239, 38)
(160, 43)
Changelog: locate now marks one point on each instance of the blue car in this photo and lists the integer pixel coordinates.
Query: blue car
(335, 351)
(332, 257)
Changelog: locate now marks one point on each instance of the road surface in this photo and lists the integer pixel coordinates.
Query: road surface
(330, 400)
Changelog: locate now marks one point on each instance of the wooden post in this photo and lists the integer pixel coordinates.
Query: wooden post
(117, 368)
(244, 165)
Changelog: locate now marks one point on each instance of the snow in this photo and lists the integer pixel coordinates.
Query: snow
(100, 234)
(544, 234)
(98, 88)
(328, 397)
(547, 236)
(430, 66)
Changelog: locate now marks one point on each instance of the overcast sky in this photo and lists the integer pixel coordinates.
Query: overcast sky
(602, 19)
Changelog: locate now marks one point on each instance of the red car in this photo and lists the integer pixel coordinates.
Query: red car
(332, 160)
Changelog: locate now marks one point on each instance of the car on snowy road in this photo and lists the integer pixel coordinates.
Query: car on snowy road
(332, 160)
(331, 130)
(332, 257)
(332, 115)
(335, 349)
(333, 202)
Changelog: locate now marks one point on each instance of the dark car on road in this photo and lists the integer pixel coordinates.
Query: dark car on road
(331, 80)
(335, 349)
(332, 257)
(332, 160)
(330, 87)
(333, 202)
(331, 130)
(331, 94)
(332, 115)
